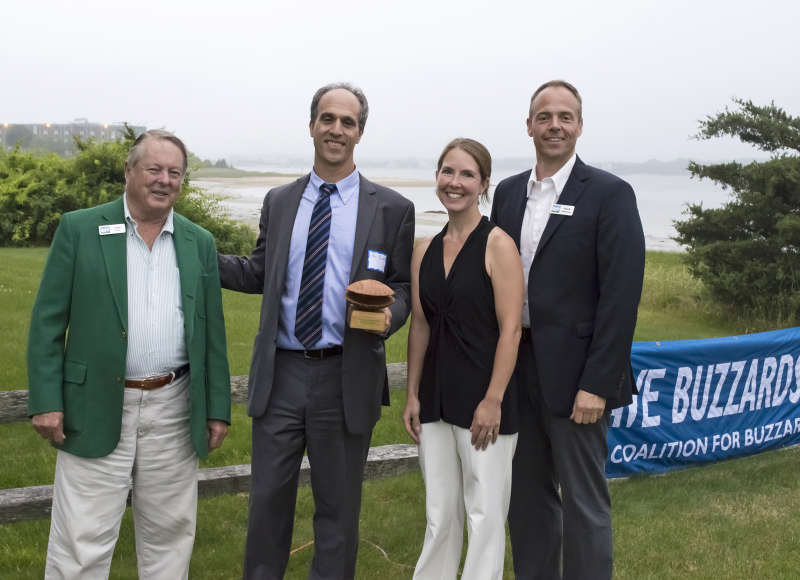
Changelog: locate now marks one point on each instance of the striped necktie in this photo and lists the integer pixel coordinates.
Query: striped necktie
(308, 320)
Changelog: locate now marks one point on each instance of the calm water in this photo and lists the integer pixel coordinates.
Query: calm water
(661, 199)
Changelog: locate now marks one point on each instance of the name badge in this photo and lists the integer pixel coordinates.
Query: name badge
(111, 229)
(561, 209)
(376, 261)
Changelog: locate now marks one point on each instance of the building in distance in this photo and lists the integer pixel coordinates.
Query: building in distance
(60, 137)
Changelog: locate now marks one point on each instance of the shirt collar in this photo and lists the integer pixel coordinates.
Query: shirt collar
(559, 178)
(345, 188)
(168, 225)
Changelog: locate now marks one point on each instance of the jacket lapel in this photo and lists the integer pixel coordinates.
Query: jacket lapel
(517, 207)
(189, 268)
(575, 186)
(366, 217)
(113, 247)
(282, 213)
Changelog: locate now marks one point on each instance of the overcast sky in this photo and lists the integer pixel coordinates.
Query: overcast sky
(236, 77)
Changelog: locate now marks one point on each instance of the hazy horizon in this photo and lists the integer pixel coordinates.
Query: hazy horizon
(235, 79)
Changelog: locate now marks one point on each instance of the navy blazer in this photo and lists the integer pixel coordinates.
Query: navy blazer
(584, 285)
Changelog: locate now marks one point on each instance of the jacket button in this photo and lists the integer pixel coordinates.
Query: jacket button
(124, 334)
(119, 379)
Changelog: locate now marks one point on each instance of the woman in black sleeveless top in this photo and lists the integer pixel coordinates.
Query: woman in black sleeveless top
(466, 286)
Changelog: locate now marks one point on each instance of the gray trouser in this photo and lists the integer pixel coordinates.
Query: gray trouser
(548, 527)
(304, 411)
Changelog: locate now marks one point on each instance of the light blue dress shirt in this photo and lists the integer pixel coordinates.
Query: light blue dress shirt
(344, 211)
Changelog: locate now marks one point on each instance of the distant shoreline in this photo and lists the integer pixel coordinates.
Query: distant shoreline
(214, 173)
(428, 222)
(272, 179)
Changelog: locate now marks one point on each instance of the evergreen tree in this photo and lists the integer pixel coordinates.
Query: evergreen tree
(747, 252)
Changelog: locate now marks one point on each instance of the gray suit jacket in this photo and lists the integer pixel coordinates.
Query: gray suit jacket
(385, 223)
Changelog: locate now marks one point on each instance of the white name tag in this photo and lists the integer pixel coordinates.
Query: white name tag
(111, 229)
(376, 261)
(560, 209)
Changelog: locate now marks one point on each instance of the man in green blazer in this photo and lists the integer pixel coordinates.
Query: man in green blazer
(128, 371)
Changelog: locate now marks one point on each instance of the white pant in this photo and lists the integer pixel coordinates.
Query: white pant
(458, 476)
(156, 457)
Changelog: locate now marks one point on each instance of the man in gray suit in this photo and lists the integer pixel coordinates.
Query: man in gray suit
(315, 383)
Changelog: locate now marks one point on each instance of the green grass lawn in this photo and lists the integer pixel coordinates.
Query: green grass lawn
(19, 279)
(735, 519)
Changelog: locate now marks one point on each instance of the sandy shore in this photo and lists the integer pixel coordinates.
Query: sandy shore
(275, 180)
(246, 208)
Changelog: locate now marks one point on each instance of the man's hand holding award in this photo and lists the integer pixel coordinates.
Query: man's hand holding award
(366, 304)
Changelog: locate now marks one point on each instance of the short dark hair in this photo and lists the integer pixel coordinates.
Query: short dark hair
(357, 93)
(475, 150)
(135, 151)
(564, 85)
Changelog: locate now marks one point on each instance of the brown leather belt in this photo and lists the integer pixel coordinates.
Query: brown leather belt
(151, 383)
(526, 335)
(318, 354)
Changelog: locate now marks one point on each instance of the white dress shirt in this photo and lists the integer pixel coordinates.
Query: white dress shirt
(541, 197)
(156, 344)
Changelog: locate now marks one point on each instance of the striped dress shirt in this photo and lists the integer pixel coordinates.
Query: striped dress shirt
(156, 343)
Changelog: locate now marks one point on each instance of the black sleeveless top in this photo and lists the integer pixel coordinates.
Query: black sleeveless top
(463, 334)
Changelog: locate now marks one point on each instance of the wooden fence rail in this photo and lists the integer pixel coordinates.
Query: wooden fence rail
(14, 404)
(26, 503)
(29, 503)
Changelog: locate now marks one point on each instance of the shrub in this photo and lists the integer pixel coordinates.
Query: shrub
(36, 190)
(747, 253)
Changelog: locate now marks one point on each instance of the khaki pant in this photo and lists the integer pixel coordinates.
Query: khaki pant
(156, 460)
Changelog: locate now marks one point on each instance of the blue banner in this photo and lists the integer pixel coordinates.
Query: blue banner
(704, 400)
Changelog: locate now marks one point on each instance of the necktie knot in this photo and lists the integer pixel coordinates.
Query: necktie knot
(327, 189)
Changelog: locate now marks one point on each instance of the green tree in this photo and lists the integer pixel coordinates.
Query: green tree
(206, 210)
(747, 252)
(32, 197)
(35, 190)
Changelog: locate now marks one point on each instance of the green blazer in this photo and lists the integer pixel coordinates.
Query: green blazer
(78, 335)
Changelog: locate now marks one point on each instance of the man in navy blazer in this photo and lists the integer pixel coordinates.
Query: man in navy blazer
(582, 248)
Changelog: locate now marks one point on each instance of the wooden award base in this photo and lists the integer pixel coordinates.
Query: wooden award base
(367, 320)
